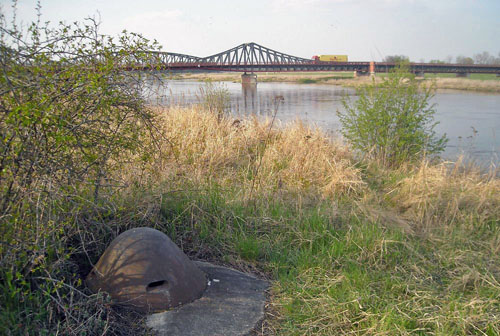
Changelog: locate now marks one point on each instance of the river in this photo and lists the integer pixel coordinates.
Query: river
(471, 120)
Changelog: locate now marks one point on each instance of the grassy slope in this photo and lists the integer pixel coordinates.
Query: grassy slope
(349, 247)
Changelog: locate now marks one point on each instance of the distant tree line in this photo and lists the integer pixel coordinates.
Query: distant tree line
(481, 58)
(396, 59)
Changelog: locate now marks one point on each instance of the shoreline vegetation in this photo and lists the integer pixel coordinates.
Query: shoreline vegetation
(349, 245)
(476, 82)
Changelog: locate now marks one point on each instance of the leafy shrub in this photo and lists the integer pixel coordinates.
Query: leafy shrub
(69, 117)
(393, 121)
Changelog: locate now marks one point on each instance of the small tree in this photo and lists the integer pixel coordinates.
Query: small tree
(68, 111)
(397, 59)
(393, 121)
(70, 118)
(484, 58)
(464, 60)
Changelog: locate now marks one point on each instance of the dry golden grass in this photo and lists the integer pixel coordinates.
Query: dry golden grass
(253, 156)
(299, 160)
(468, 84)
(440, 196)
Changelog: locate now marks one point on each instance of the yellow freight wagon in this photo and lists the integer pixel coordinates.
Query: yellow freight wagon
(333, 58)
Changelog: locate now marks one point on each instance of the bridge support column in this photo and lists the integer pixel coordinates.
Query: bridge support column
(463, 74)
(249, 79)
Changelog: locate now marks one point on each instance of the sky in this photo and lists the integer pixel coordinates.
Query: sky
(366, 30)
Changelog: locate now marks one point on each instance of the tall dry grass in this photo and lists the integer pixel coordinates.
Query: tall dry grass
(249, 154)
(440, 196)
(297, 159)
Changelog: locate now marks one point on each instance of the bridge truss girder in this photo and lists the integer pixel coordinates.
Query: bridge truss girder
(253, 53)
(252, 57)
(166, 58)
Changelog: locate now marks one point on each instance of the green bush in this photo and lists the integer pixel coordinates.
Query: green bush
(70, 118)
(392, 122)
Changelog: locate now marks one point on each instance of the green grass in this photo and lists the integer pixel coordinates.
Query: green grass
(338, 273)
(307, 81)
(452, 75)
(471, 76)
(312, 73)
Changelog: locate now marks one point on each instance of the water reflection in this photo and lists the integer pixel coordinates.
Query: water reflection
(314, 104)
(249, 91)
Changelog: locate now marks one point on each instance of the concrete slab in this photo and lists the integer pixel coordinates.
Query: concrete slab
(232, 305)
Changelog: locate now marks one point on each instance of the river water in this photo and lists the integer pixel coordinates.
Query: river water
(471, 120)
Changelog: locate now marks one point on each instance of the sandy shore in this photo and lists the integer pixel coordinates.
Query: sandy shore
(344, 79)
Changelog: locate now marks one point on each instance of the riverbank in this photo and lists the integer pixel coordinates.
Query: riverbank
(474, 83)
(350, 247)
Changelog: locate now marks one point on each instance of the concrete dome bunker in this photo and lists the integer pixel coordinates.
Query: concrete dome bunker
(142, 268)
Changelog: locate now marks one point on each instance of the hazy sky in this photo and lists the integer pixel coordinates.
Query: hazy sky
(363, 29)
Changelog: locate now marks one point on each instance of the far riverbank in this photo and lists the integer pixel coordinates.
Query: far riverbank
(477, 82)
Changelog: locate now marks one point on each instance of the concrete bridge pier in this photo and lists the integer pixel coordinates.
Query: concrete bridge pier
(463, 74)
(372, 69)
(249, 79)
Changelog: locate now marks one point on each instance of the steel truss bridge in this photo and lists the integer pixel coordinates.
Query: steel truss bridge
(252, 57)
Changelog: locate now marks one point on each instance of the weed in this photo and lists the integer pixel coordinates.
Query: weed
(214, 98)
